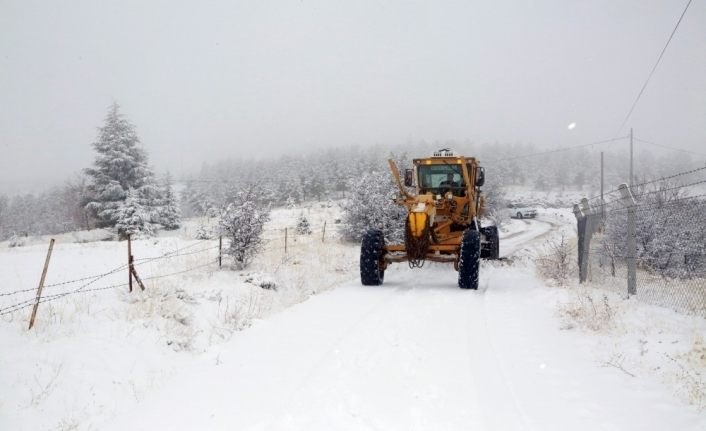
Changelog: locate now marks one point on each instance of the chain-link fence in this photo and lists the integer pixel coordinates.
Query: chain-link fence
(648, 240)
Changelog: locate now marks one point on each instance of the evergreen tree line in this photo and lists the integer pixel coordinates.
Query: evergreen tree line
(121, 192)
(336, 173)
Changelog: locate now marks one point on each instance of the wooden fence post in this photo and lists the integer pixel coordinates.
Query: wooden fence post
(285, 240)
(131, 266)
(220, 250)
(41, 284)
(129, 261)
(323, 234)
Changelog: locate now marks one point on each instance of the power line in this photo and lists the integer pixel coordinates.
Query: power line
(656, 206)
(558, 150)
(678, 174)
(669, 148)
(642, 90)
(678, 187)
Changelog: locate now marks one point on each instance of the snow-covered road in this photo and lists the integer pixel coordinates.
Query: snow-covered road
(414, 354)
(526, 237)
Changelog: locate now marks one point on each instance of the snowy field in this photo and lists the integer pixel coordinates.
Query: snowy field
(213, 349)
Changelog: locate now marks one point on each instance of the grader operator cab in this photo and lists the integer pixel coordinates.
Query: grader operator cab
(442, 224)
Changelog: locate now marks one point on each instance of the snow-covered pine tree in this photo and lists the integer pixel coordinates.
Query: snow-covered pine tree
(120, 165)
(303, 226)
(242, 222)
(132, 218)
(204, 232)
(169, 212)
(290, 203)
(370, 206)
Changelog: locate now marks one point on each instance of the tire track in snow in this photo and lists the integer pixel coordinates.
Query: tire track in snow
(412, 350)
(493, 372)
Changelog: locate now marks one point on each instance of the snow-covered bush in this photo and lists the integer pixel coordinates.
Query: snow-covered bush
(497, 217)
(303, 226)
(670, 232)
(264, 281)
(371, 206)
(242, 222)
(204, 232)
(556, 261)
(16, 241)
(291, 202)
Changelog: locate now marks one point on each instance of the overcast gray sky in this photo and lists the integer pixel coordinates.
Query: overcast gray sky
(204, 80)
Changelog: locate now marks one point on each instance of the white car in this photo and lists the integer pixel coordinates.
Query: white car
(522, 211)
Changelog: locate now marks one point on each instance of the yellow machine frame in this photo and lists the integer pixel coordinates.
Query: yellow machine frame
(447, 215)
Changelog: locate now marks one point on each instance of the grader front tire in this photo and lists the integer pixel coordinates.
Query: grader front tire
(469, 260)
(371, 250)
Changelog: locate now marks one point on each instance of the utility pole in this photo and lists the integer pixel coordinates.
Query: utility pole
(602, 201)
(631, 177)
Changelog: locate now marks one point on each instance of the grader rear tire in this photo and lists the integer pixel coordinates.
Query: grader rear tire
(492, 250)
(469, 260)
(371, 250)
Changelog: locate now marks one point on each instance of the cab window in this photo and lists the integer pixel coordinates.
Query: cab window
(434, 177)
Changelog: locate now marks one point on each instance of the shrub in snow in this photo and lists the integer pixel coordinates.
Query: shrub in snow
(303, 226)
(556, 260)
(291, 202)
(204, 232)
(242, 222)
(587, 312)
(120, 165)
(132, 218)
(495, 202)
(497, 217)
(261, 280)
(16, 241)
(371, 206)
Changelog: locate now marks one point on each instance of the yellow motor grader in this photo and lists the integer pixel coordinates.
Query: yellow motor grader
(443, 220)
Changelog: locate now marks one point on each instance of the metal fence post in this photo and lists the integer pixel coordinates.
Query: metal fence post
(580, 229)
(630, 241)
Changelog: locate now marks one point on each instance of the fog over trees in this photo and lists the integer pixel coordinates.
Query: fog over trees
(93, 198)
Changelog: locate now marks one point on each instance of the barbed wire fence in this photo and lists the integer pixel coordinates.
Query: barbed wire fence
(648, 241)
(285, 241)
(21, 299)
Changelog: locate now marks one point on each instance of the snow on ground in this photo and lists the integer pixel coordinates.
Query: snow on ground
(415, 353)
(90, 354)
(211, 349)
